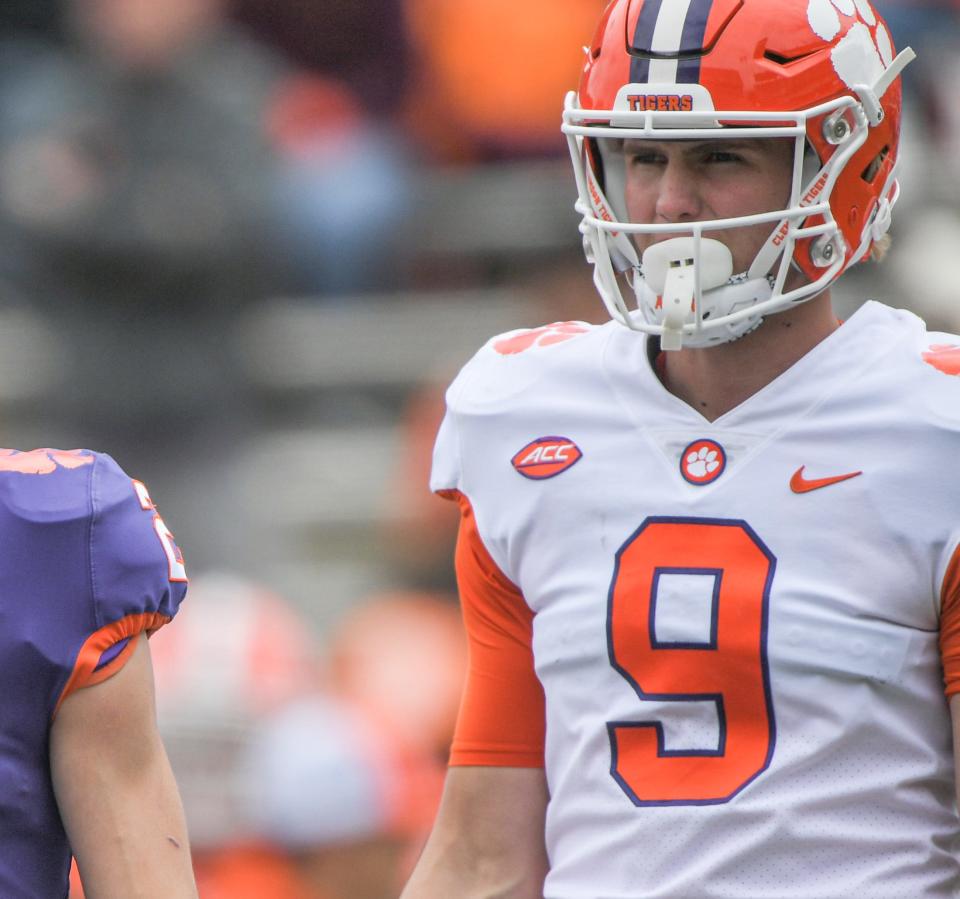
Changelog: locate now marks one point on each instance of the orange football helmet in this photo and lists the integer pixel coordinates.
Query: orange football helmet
(819, 72)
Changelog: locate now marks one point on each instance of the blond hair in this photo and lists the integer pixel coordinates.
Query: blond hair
(880, 248)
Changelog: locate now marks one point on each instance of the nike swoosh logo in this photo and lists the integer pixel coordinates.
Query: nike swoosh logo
(800, 484)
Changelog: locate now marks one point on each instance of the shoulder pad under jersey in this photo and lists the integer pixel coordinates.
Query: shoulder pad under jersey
(87, 562)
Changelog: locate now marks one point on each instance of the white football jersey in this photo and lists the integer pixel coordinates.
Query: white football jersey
(735, 623)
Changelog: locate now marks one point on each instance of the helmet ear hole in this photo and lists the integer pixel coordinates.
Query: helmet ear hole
(869, 174)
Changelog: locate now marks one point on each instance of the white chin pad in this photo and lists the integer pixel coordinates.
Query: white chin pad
(670, 271)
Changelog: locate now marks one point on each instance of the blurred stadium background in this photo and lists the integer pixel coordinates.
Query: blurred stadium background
(243, 246)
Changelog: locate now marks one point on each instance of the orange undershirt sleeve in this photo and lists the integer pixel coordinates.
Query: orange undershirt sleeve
(950, 626)
(502, 718)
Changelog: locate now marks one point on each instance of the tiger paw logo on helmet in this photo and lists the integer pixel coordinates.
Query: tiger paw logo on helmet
(865, 51)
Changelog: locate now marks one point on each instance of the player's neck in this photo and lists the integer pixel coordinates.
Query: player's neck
(713, 381)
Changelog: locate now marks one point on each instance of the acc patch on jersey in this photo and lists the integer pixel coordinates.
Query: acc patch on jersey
(546, 457)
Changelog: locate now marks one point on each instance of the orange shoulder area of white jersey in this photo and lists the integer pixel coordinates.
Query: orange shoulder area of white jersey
(526, 339)
(508, 364)
(944, 357)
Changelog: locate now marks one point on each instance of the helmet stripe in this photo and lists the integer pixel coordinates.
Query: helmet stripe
(666, 31)
(694, 31)
(643, 38)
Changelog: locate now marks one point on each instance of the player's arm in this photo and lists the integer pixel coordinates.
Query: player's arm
(950, 651)
(116, 792)
(488, 837)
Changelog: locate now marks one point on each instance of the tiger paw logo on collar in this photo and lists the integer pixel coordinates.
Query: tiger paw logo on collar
(702, 462)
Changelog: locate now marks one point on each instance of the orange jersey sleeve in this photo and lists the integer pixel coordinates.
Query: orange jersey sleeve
(502, 717)
(950, 626)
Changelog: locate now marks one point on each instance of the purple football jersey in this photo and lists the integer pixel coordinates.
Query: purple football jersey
(86, 565)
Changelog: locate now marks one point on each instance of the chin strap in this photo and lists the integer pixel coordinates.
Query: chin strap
(737, 294)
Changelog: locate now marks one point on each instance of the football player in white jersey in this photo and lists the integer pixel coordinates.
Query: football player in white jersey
(708, 556)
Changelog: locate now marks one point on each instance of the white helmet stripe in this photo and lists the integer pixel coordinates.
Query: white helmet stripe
(667, 38)
(676, 30)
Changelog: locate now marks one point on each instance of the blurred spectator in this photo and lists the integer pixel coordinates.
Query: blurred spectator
(931, 121)
(340, 798)
(158, 172)
(402, 656)
(29, 16)
(239, 654)
(489, 78)
(926, 269)
(362, 44)
(151, 162)
(419, 530)
(294, 795)
(923, 263)
(133, 163)
(920, 23)
(133, 179)
(343, 194)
